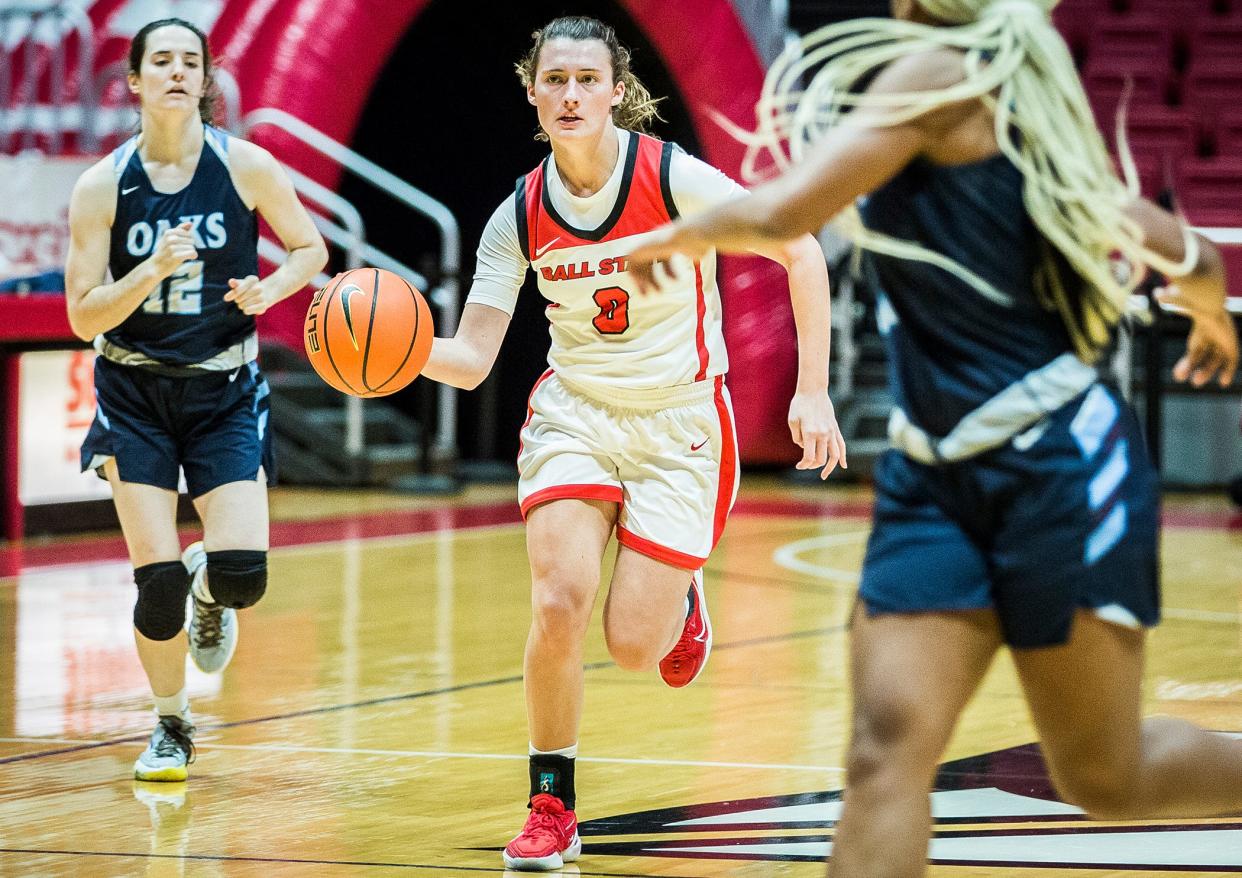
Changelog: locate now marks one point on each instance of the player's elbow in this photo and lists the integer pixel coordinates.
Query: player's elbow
(81, 327)
(804, 250)
(319, 251)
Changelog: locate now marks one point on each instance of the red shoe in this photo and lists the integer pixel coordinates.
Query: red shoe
(549, 839)
(686, 659)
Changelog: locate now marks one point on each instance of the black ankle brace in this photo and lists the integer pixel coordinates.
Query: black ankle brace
(553, 775)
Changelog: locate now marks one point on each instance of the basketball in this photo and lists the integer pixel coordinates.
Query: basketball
(368, 332)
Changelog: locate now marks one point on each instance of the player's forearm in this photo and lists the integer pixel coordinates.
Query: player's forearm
(106, 306)
(297, 271)
(812, 310)
(456, 362)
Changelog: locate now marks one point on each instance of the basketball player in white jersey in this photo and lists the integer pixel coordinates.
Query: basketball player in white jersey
(630, 429)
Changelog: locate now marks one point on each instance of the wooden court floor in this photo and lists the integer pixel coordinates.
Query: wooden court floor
(372, 721)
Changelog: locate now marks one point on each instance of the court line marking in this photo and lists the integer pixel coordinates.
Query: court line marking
(225, 859)
(788, 555)
(408, 696)
(377, 541)
(438, 754)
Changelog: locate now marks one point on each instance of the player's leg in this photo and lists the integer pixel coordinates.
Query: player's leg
(227, 460)
(679, 471)
(646, 609)
(565, 540)
(568, 492)
(148, 517)
(148, 520)
(911, 676)
(1085, 696)
(1089, 528)
(924, 633)
(130, 444)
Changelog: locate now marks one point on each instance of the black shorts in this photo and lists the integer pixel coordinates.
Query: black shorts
(213, 426)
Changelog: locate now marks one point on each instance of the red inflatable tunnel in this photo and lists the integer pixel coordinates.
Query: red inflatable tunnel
(288, 54)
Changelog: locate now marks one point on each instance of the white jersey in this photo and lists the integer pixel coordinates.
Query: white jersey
(607, 338)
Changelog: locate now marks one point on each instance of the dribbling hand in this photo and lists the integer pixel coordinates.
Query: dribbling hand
(249, 294)
(174, 247)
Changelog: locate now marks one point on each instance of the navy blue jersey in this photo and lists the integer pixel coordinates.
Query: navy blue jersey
(185, 320)
(951, 348)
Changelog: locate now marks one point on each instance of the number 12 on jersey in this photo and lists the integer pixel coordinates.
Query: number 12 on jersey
(180, 293)
(614, 311)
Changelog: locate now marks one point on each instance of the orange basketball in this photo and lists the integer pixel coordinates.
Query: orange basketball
(368, 332)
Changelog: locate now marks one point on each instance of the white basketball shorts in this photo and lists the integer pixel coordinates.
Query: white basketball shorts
(667, 457)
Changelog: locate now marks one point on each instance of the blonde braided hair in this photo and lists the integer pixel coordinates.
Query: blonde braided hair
(1018, 65)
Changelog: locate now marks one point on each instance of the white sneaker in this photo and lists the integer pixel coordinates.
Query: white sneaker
(212, 628)
(169, 751)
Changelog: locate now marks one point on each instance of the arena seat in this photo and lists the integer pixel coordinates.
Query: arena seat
(1211, 188)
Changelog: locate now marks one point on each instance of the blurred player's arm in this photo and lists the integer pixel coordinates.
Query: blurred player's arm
(95, 306)
(697, 187)
(850, 160)
(466, 359)
(264, 186)
(1212, 347)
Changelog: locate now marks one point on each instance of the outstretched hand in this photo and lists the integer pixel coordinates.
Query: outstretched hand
(651, 264)
(1212, 347)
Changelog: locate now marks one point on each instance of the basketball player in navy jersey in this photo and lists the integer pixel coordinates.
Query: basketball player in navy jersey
(1018, 505)
(170, 216)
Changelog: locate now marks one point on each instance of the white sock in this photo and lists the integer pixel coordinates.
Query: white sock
(177, 704)
(198, 585)
(570, 752)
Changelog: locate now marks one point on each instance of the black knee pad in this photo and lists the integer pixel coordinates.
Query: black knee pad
(237, 578)
(162, 589)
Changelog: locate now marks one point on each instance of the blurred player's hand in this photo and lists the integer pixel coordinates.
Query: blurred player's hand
(653, 265)
(813, 425)
(1212, 347)
(248, 294)
(174, 247)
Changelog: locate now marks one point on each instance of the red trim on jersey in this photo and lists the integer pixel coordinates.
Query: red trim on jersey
(728, 463)
(700, 333)
(644, 207)
(607, 493)
(530, 412)
(631, 540)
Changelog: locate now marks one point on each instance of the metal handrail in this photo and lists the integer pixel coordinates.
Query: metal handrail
(447, 294)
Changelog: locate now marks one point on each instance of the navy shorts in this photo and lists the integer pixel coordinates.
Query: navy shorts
(1052, 522)
(213, 426)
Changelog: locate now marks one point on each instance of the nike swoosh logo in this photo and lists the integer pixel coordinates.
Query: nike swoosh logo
(697, 447)
(545, 247)
(129, 190)
(346, 307)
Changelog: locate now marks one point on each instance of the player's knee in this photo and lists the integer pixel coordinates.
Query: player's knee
(237, 578)
(633, 653)
(560, 611)
(893, 732)
(159, 612)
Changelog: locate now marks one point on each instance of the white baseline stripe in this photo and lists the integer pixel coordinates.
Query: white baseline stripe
(436, 754)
